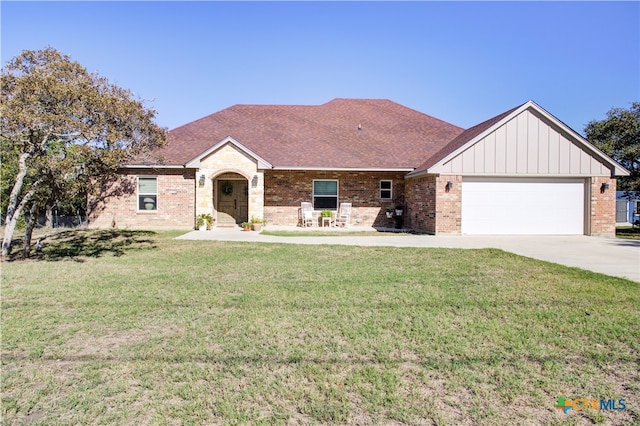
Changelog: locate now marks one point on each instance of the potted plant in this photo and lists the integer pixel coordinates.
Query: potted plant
(246, 226)
(256, 223)
(326, 213)
(204, 221)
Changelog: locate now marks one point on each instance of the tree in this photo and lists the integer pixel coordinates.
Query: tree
(619, 137)
(64, 132)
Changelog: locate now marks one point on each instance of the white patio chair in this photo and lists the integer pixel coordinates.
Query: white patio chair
(306, 214)
(343, 215)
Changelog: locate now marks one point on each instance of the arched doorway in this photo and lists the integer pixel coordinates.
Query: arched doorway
(232, 191)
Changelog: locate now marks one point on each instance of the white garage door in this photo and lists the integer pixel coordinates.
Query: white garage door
(522, 206)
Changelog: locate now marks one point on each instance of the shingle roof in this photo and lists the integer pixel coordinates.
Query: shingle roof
(323, 136)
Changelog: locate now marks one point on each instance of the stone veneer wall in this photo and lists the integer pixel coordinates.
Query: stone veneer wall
(118, 204)
(286, 189)
(228, 159)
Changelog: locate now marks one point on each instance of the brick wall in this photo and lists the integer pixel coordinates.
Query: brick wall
(284, 191)
(431, 207)
(119, 204)
(421, 203)
(448, 205)
(428, 206)
(603, 207)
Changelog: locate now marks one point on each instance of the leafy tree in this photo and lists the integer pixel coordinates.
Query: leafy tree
(619, 137)
(64, 132)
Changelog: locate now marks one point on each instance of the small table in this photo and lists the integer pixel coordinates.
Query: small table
(326, 220)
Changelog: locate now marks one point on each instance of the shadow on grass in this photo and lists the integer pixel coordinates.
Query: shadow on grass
(76, 244)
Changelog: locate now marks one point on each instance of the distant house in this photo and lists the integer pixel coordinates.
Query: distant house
(521, 172)
(627, 206)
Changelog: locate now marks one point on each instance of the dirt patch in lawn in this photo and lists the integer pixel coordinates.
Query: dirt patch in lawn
(109, 344)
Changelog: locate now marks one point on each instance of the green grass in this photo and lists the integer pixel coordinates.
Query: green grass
(132, 327)
(630, 233)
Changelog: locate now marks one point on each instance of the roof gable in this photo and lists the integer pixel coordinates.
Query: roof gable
(262, 163)
(527, 141)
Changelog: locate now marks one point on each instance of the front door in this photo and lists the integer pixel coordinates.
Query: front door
(233, 202)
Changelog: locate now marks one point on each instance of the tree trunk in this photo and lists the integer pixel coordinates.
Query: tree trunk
(28, 232)
(48, 217)
(12, 212)
(14, 208)
(10, 227)
(17, 186)
(8, 234)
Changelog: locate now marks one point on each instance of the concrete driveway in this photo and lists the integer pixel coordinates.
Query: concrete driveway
(611, 256)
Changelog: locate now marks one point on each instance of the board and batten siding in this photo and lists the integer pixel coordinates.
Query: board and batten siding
(525, 145)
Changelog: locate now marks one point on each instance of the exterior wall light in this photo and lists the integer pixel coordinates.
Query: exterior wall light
(201, 181)
(604, 187)
(448, 186)
(254, 181)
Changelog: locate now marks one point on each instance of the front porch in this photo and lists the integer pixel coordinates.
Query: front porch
(229, 184)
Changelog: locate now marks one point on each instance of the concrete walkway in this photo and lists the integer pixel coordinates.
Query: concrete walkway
(611, 256)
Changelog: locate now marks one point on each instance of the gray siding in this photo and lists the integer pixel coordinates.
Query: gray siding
(526, 145)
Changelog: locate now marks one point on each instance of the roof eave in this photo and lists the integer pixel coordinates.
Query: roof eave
(415, 174)
(619, 171)
(345, 169)
(152, 166)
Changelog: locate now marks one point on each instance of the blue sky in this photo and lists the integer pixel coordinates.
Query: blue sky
(462, 62)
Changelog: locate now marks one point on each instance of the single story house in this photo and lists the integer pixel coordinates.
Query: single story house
(521, 172)
(627, 206)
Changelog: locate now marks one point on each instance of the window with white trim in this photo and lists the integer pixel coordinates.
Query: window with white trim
(325, 194)
(148, 193)
(386, 189)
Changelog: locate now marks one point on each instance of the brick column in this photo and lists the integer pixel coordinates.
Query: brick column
(448, 204)
(603, 206)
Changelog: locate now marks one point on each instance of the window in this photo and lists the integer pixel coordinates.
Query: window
(325, 194)
(147, 193)
(386, 189)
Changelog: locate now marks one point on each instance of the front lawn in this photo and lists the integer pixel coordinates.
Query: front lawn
(127, 327)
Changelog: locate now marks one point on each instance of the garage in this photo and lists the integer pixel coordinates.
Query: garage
(523, 206)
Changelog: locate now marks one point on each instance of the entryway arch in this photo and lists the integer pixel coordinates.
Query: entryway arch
(231, 195)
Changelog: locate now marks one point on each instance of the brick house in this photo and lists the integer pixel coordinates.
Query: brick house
(521, 172)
